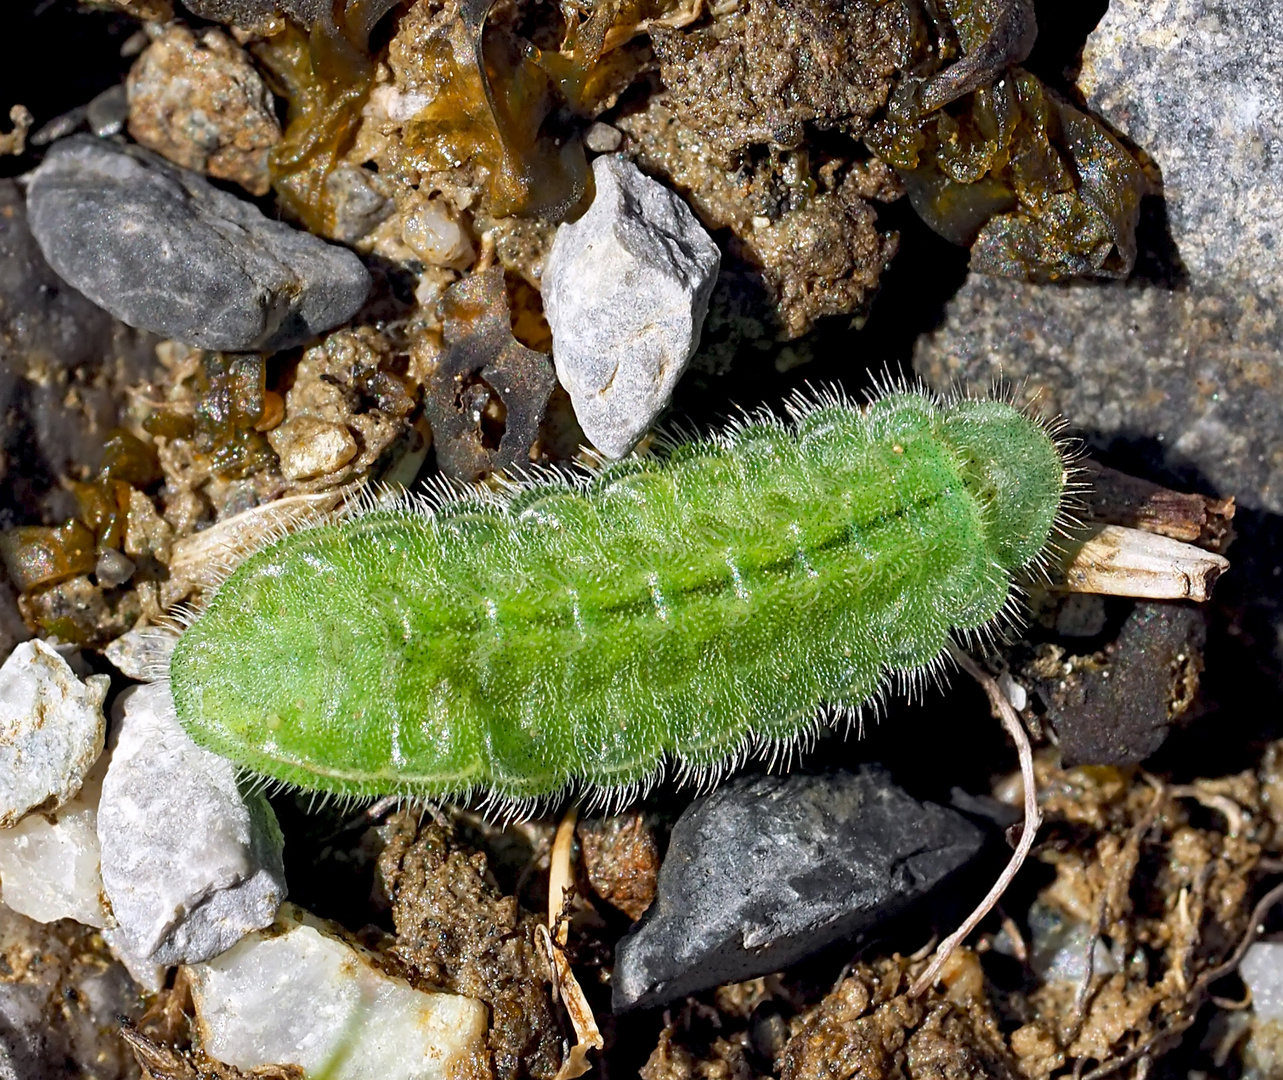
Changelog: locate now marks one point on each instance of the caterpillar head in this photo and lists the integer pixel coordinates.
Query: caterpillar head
(1017, 471)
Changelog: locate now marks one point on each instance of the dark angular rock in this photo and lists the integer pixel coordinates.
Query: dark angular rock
(767, 870)
(1119, 709)
(163, 249)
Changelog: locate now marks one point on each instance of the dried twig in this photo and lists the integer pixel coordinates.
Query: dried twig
(554, 936)
(1114, 498)
(1116, 561)
(1003, 711)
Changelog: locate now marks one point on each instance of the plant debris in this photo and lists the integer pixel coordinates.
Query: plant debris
(488, 393)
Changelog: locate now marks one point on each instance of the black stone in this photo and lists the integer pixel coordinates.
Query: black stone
(1120, 712)
(163, 249)
(768, 870)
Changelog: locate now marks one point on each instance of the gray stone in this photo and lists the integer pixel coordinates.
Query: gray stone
(189, 863)
(1189, 354)
(1198, 373)
(1196, 83)
(51, 730)
(626, 289)
(163, 249)
(108, 112)
(261, 14)
(767, 870)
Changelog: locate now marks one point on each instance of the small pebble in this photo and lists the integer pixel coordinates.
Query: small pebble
(433, 233)
(309, 447)
(768, 870)
(49, 861)
(112, 568)
(142, 655)
(625, 290)
(189, 864)
(62, 1003)
(1262, 971)
(108, 112)
(298, 994)
(196, 99)
(355, 205)
(51, 730)
(163, 249)
(602, 138)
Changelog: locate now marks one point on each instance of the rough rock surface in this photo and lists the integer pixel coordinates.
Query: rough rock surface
(1131, 360)
(198, 101)
(51, 730)
(625, 290)
(457, 932)
(62, 1001)
(804, 243)
(189, 864)
(767, 870)
(1189, 353)
(49, 861)
(298, 994)
(252, 14)
(163, 249)
(1196, 84)
(766, 69)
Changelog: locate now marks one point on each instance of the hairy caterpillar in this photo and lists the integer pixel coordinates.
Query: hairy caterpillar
(691, 606)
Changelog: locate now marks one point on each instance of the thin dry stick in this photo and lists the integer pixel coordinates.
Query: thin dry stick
(1033, 818)
(560, 886)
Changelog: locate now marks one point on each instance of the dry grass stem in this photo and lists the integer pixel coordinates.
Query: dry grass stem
(1033, 818)
(1118, 561)
(561, 879)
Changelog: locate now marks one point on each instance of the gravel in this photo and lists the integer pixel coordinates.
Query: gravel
(62, 1002)
(1196, 83)
(625, 290)
(300, 995)
(767, 870)
(51, 730)
(162, 249)
(189, 864)
(49, 861)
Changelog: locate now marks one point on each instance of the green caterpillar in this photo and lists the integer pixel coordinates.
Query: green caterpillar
(689, 606)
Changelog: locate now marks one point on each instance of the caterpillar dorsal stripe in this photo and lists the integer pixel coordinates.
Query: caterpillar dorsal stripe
(688, 606)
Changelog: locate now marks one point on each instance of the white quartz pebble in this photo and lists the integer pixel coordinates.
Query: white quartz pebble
(51, 730)
(298, 994)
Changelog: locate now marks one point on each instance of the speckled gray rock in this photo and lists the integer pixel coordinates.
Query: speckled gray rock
(260, 13)
(189, 864)
(1190, 353)
(1199, 373)
(51, 730)
(1196, 83)
(767, 870)
(626, 289)
(163, 249)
